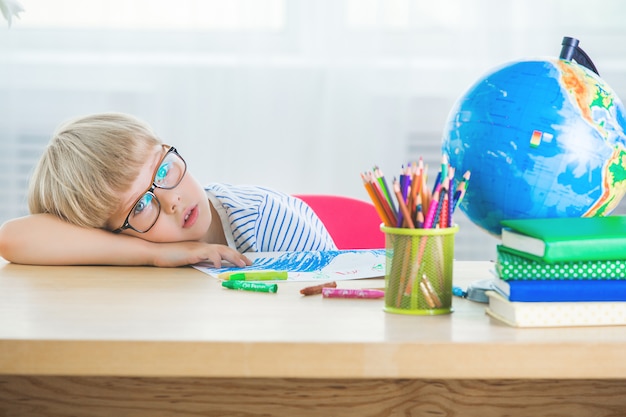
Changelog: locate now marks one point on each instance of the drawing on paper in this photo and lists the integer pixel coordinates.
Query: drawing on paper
(314, 265)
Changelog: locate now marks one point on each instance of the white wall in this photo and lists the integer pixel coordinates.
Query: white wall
(302, 99)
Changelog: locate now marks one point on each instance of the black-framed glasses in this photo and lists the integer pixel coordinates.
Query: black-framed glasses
(146, 210)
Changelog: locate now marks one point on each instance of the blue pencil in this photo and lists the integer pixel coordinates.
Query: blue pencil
(439, 207)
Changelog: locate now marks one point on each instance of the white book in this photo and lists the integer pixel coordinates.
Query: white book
(556, 314)
(523, 243)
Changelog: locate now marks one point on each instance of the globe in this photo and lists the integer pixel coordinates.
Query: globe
(541, 138)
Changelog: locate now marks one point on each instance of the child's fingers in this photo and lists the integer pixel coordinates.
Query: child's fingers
(220, 252)
(237, 258)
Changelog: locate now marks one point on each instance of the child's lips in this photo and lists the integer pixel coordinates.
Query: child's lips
(190, 217)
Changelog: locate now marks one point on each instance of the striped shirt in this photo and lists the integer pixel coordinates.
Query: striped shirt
(258, 219)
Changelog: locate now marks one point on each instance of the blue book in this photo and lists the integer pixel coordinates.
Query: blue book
(562, 290)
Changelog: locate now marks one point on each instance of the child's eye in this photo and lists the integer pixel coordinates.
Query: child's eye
(141, 205)
(162, 172)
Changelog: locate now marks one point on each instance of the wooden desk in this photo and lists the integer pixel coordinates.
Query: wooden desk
(119, 341)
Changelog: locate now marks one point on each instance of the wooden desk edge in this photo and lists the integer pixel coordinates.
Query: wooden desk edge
(311, 360)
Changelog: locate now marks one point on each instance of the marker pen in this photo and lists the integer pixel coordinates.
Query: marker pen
(262, 275)
(250, 286)
(351, 293)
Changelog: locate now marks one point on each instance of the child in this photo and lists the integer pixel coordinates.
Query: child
(107, 191)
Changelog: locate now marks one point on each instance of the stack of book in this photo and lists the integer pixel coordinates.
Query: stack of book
(561, 272)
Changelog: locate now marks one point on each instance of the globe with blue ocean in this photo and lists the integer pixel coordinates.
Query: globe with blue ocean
(541, 138)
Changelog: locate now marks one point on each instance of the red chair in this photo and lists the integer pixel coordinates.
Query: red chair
(352, 223)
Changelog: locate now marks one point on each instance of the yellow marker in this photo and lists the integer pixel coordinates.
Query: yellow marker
(261, 275)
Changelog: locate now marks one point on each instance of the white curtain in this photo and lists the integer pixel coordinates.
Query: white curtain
(300, 95)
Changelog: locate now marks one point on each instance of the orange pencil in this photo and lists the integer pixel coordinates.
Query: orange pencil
(375, 201)
(383, 201)
(416, 184)
(425, 190)
(405, 211)
(380, 177)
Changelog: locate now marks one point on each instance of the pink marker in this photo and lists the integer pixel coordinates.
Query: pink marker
(351, 293)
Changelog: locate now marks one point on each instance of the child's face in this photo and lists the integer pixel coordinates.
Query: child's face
(184, 210)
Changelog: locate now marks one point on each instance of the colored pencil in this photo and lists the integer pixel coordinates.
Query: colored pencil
(384, 203)
(403, 208)
(382, 181)
(376, 201)
(409, 202)
(460, 191)
(432, 211)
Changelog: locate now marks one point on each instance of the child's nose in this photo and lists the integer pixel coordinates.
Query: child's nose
(169, 199)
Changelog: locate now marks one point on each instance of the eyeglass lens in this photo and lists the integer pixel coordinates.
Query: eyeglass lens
(146, 211)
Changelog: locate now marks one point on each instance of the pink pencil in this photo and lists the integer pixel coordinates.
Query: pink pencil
(432, 210)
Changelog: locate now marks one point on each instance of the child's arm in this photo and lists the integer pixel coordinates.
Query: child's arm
(43, 239)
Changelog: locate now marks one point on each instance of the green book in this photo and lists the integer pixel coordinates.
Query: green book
(565, 239)
(512, 267)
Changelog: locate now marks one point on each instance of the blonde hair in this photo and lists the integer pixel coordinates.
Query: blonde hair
(88, 163)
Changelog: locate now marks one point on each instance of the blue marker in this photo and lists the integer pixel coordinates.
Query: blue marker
(457, 291)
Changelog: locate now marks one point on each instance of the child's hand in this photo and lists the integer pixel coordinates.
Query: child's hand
(187, 253)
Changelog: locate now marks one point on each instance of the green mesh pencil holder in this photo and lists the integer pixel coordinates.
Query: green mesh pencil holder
(418, 271)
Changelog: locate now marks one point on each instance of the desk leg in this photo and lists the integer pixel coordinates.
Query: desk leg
(181, 397)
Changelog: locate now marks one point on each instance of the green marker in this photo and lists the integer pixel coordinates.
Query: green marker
(250, 286)
(263, 275)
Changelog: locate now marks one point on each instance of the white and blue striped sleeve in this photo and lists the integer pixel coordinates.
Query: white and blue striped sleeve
(264, 220)
(288, 224)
